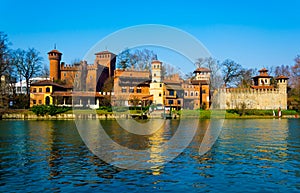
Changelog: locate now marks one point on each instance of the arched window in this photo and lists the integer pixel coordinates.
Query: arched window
(47, 100)
(47, 89)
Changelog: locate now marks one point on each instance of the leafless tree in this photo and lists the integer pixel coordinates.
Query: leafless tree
(28, 64)
(231, 72)
(5, 68)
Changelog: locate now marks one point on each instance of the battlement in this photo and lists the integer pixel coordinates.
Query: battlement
(249, 90)
(64, 66)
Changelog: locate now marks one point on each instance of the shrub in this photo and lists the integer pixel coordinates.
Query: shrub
(48, 110)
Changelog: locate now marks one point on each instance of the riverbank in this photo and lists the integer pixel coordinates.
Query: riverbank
(104, 115)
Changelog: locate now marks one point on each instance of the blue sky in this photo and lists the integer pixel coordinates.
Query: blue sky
(253, 33)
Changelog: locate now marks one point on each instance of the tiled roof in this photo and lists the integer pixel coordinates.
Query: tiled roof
(104, 52)
(55, 51)
(201, 69)
(77, 93)
(47, 83)
(282, 77)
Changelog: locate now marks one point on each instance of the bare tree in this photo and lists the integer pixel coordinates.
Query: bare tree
(139, 59)
(28, 64)
(123, 59)
(231, 72)
(5, 68)
(45, 71)
(200, 62)
(215, 67)
(245, 80)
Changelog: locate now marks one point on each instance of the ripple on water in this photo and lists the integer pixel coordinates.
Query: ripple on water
(250, 155)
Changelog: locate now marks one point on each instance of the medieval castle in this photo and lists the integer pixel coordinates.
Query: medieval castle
(83, 84)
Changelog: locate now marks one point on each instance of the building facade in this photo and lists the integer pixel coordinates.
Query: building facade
(261, 95)
(82, 85)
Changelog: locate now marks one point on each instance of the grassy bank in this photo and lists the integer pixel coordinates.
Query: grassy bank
(202, 114)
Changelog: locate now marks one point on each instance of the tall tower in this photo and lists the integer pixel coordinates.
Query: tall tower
(282, 87)
(156, 69)
(107, 59)
(54, 58)
(157, 86)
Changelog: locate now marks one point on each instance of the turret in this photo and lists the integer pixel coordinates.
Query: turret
(54, 59)
(282, 83)
(156, 69)
(107, 59)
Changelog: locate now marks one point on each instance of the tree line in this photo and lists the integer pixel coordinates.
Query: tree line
(17, 65)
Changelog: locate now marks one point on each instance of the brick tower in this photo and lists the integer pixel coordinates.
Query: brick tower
(54, 58)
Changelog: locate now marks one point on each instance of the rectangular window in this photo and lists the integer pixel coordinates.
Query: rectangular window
(34, 90)
(40, 102)
(179, 102)
(170, 102)
(139, 90)
(65, 74)
(124, 89)
(160, 85)
(203, 91)
(34, 102)
(171, 92)
(185, 93)
(131, 90)
(40, 90)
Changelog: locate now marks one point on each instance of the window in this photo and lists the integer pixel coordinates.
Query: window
(185, 93)
(34, 90)
(131, 90)
(47, 89)
(40, 102)
(40, 90)
(203, 91)
(171, 92)
(196, 93)
(154, 75)
(170, 102)
(154, 66)
(65, 74)
(124, 89)
(34, 102)
(192, 93)
(160, 85)
(159, 94)
(179, 102)
(139, 90)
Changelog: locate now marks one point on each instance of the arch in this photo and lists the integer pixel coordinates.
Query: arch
(47, 101)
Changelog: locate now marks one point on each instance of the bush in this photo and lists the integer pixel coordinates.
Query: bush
(48, 110)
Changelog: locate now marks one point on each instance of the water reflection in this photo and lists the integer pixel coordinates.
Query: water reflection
(250, 155)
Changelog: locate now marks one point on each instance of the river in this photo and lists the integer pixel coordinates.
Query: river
(250, 155)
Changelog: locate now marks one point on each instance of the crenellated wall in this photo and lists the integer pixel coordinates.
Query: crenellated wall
(271, 98)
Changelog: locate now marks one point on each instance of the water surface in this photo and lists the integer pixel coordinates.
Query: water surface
(249, 156)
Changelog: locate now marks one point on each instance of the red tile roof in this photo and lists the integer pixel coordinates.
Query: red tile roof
(201, 69)
(282, 77)
(55, 51)
(47, 83)
(104, 52)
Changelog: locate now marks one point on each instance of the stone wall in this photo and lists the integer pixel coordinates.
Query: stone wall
(253, 98)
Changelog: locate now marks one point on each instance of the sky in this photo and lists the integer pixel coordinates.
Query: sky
(253, 33)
